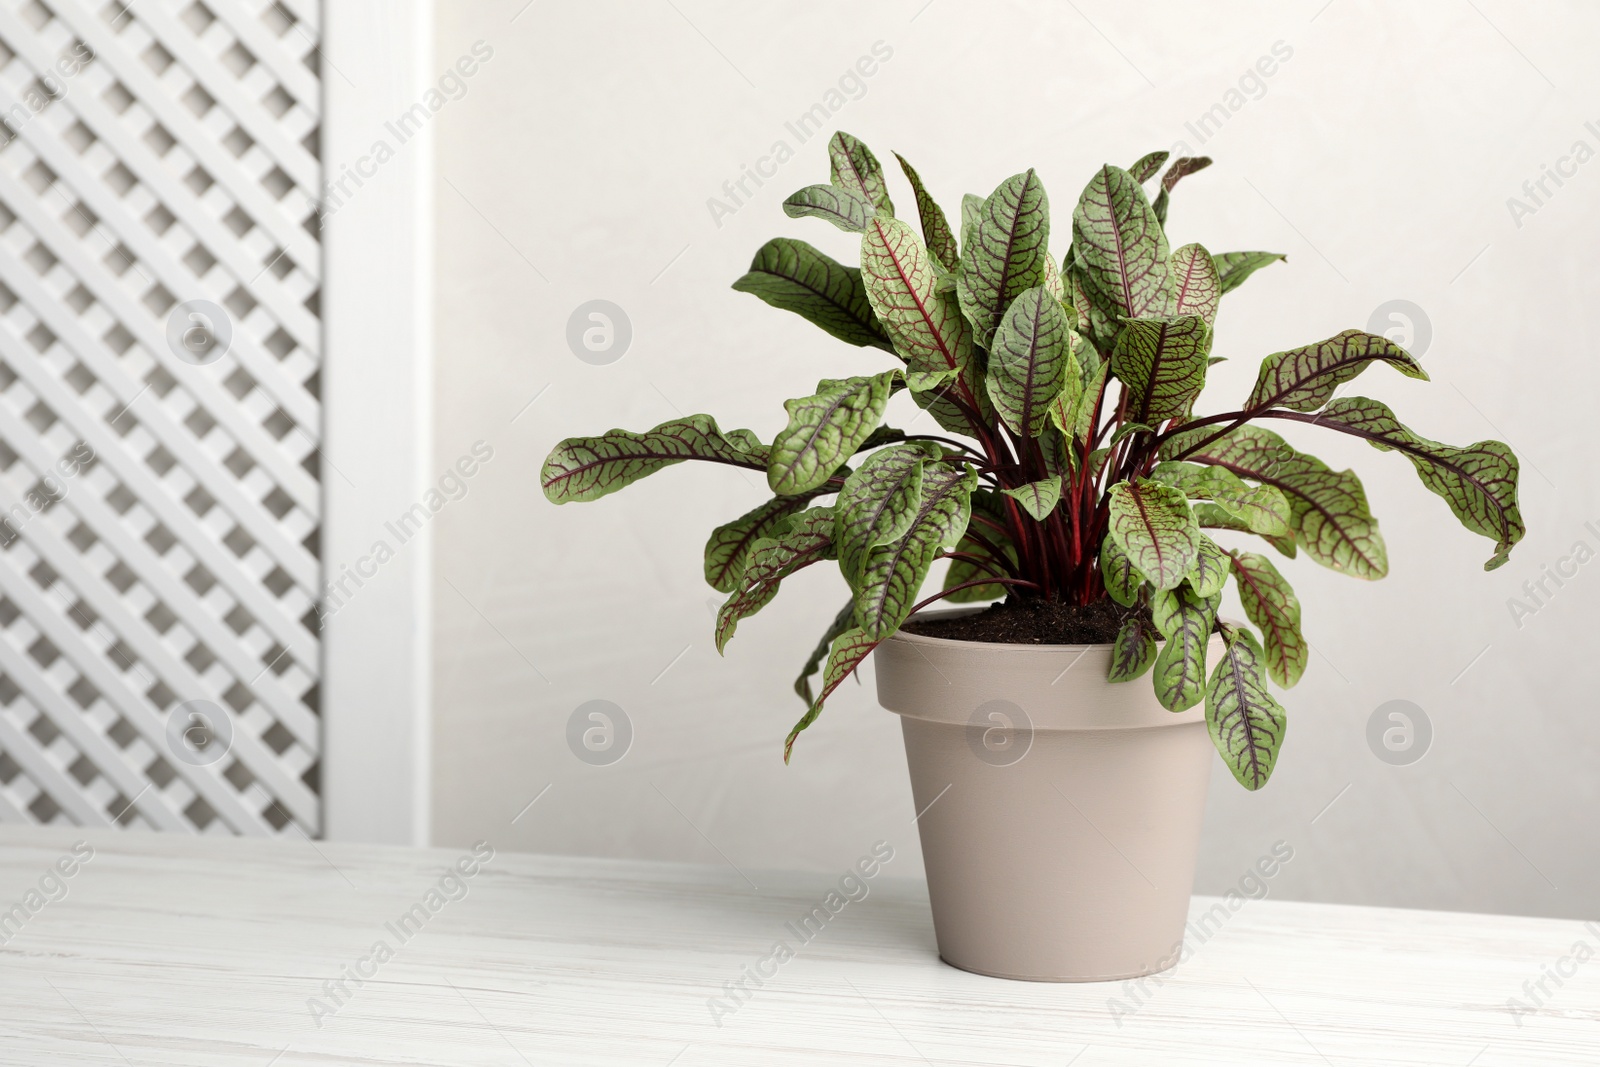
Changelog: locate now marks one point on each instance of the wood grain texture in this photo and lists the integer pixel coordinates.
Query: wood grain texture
(174, 950)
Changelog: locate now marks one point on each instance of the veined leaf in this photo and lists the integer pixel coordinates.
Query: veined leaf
(1092, 316)
(1097, 462)
(935, 227)
(846, 210)
(1210, 572)
(841, 622)
(846, 654)
(728, 548)
(588, 468)
(1197, 287)
(1122, 579)
(1075, 422)
(1479, 481)
(855, 170)
(1271, 605)
(1181, 168)
(1072, 408)
(793, 276)
(878, 502)
(1005, 253)
(1133, 651)
(894, 572)
(1120, 243)
(942, 402)
(1212, 517)
(971, 212)
(1148, 165)
(1303, 379)
(1153, 526)
(1260, 509)
(1246, 724)
(825, 429)
(1163, 364)
(1180, 666)
(1039, 498)
(1328, 509)
(1030, 361)
(962, 570)
(1235, 267)
(805, 539)
(926, 326)
(1057, 288)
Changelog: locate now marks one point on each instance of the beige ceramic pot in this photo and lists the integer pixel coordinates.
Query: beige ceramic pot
(1059, 813)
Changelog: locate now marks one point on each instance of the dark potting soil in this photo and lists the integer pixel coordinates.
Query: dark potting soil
(1032, 622)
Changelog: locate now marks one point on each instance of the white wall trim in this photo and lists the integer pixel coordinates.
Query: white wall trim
(377, 382)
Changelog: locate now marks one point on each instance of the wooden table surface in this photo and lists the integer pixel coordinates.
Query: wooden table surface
(223, 952)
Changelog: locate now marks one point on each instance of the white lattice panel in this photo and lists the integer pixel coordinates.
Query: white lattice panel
(162, 545)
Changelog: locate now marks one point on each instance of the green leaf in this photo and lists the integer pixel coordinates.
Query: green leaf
(1303, 379)
(1180, 666)
(1163, 364)
(1152, 524)
(1328, 509)
(1212, 517)
(1006, 252)
(1210, 572)
(855, 170)
(588, 468)
(949, 403)
(728, 548)
(1057, 289)
(1181, 168)
(805, 539)
(1260, 509)
(1148, 165)
(1134, 650)
(1039, 498)
(1120, 243)
(1197, 285)
(926, 326)
(1122, 578)
(1271, 605)
(1030, 362)
(825, 429)
(793, 276)
(962, 570)
(846, 654)
(1097, 462)
(1128, 428)
(878, 502)
(971, 212)
(1479, 481)
(1091, 309)
(1246, 724)
(1235, 267)
(935, 227)
(846, 210)
(893, 573)
(841, 622)
(1073, 419)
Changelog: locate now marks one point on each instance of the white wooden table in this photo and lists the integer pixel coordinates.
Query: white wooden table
(174, 950)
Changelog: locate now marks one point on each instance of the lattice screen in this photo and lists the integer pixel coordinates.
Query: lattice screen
(157, 153)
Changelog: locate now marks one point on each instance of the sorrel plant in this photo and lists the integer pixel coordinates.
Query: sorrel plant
(1072, 465)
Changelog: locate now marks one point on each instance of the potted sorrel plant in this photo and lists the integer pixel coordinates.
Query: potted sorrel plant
(1073, 477)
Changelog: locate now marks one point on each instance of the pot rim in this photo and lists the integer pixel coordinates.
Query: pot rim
(932, 614)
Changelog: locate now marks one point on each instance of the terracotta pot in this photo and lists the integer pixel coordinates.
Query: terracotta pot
(1059, 813)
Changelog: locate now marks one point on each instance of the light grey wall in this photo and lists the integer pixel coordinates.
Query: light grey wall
(1379, 155)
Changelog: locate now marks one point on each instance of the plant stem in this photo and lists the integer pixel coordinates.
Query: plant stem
(941, 594)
